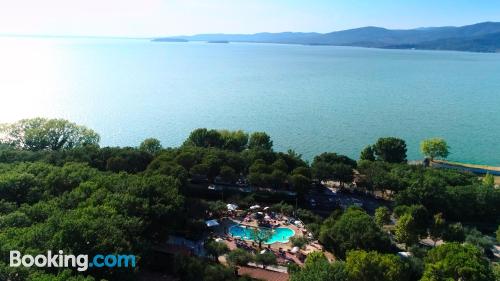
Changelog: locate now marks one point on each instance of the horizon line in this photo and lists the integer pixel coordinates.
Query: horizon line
(83, 36)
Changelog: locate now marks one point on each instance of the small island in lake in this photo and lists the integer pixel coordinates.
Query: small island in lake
(172, 40)
(219, 41)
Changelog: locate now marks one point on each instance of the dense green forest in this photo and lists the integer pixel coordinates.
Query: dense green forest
(60, 190)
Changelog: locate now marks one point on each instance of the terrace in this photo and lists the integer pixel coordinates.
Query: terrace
(239, 228)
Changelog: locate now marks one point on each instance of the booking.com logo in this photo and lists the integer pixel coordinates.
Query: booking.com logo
(80, 262)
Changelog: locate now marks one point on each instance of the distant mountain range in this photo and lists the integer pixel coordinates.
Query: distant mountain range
(480, 37)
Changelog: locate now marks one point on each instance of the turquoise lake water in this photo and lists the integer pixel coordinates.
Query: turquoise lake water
(308, 98)
(280, 234)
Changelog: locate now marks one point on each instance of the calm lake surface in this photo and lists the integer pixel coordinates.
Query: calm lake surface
(308, 98)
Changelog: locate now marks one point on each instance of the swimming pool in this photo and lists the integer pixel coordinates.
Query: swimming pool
(280, 234)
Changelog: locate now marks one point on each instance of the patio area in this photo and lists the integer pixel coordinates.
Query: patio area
(263, 217)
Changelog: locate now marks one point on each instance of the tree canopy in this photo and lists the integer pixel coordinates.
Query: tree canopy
(239, 257)
(354, 229)
(216, 249)
(151, 145)
(77, 196)
(406, 230)
(332, 166)
(390, 149)
(261, 235)
(260, 140)
(47, 134)
(382, 216)
(67, 208)
(453, 261)
(434, 148)
(317, 268)
(265, 259)
(367, 154)
(373, 266)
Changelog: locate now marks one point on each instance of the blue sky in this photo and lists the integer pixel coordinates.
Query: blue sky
(143, 18)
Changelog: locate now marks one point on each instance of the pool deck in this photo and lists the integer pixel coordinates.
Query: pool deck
(313, 246)
(265, 243)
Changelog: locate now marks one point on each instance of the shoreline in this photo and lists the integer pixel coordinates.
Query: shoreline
(474, 168)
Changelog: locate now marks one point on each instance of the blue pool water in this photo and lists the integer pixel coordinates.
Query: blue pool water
(280, 234)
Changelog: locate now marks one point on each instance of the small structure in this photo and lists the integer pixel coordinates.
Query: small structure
(212, 223)
(427, 242)
(294, 250)
(404, 254)
(496, 251)
(232, 207)
(262, 274)
(254, 207)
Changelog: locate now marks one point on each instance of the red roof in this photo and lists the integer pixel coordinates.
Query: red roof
(263, 274)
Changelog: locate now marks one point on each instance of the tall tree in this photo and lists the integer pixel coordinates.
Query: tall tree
(437, 228)
(382, 216)
(354, 229)
(261, 235)
(47, 134)
(332, 166)
(489, 180)
(367, 154)
(216, 249)
(205, 138)
(435, 148)
(317, 268)
(454, 233)
(301, 184)
(406, 231)
(234, 140)
(476, 238)
(390, 149)
(260, 140)
(373, 266)
(265, 259)
(239, 257)
(334, 158)
(453, 261)
(151, 146)
(228, 174)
